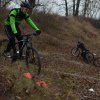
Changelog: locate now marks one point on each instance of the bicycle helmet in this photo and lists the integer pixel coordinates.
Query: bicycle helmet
(79, 42)
(25, 4)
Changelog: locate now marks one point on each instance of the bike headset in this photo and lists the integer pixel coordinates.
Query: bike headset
(25, 4)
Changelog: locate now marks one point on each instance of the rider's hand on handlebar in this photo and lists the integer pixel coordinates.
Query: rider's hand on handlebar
(38, 32)
(16, 34)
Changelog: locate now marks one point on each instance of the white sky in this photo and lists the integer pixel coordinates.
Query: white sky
(12, 5)
(54, 8)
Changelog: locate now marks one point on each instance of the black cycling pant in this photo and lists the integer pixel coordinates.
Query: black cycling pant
(83, 54)
(11, 36)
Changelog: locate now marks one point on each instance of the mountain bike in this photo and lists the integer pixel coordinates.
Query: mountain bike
(85, 54)
(89, 56)
(29, 53)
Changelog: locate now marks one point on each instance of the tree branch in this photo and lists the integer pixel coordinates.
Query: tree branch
(5, 4)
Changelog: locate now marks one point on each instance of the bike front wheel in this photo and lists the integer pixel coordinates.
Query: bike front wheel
(75, 52)
(33, 61)
(96, 62)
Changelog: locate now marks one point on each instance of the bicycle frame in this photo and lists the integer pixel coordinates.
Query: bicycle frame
(26, 42)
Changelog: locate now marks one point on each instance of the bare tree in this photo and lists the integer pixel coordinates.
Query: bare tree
(66, 6)
(32, 3)
(4, 3)
(85, 7)
(74, 7)
(77, 8)
(93, 8)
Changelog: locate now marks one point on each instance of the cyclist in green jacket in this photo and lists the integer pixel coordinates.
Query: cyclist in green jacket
(12, 26)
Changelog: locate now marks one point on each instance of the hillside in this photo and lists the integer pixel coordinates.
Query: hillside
(68, 78)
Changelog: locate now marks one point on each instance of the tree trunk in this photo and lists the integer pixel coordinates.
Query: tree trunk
(4, 3)
(32, 3)
(66, 4)
(73, 7)
(77, 8)
(86, 7)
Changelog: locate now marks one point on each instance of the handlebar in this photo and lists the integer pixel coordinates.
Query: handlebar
(28, 35)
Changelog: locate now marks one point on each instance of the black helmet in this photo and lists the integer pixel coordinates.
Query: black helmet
(25, 4)
(79, 42)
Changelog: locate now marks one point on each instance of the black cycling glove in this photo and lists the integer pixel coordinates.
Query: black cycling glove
(38, 32)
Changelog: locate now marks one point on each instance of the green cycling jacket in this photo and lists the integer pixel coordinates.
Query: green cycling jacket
(16, 16)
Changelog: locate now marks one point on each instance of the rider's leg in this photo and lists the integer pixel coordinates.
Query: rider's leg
(19, 38)
(83, 54)
(11, 37)
(11, 44)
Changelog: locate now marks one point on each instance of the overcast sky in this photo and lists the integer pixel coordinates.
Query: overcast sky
(54, 8)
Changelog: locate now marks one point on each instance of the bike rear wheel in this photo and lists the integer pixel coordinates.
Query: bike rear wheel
(3, 45)
(89, 57)
(33, 61)
(96, 62)
(75, 52)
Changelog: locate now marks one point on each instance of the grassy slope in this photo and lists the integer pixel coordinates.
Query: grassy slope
(68, 78)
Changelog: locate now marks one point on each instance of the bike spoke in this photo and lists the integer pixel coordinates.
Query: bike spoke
(33, 60)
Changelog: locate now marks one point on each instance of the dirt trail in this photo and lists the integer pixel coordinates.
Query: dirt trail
(53, 57)
(84, 75)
